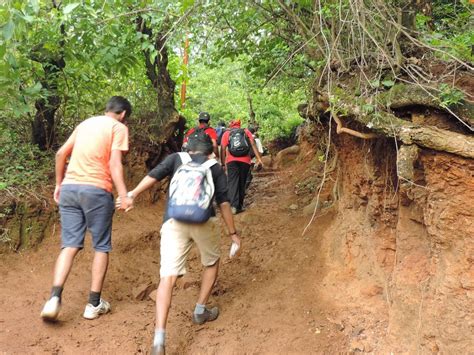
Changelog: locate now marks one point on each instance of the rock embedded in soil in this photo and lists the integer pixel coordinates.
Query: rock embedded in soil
(142, 291)
(286, 156)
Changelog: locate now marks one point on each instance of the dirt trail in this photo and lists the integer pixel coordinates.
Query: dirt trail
(269, 298)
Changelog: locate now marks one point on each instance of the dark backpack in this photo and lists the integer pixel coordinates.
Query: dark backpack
(196, 133)
(239, 145)
(220, 132)
(198, 130)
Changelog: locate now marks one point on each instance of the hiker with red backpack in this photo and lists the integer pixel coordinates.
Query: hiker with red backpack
(236, 145)
(203, 125)
(196, 181)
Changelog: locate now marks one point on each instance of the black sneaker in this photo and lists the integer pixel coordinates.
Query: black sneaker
(208, 316)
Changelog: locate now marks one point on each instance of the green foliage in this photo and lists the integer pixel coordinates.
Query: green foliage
(388, 83)
(450, 28)
(22, 165)
(224, 90)
(103, 53)
(449, 95)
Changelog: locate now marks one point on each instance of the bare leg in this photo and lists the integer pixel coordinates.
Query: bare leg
(99, 269)
(209, 277)
(163, 300)
(63, 265)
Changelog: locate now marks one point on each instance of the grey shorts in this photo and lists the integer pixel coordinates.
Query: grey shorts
(85, 207)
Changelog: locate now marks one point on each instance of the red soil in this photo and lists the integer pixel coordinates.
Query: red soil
(269, 298)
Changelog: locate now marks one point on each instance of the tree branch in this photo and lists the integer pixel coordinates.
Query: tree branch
(389, 125)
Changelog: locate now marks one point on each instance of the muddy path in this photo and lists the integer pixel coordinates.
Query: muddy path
(269, 298)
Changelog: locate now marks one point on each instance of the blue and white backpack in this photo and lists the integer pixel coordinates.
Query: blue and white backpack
(191, 191)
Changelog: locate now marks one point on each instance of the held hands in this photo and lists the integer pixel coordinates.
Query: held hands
(124, 203)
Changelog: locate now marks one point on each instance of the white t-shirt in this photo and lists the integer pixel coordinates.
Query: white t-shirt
(258, 143)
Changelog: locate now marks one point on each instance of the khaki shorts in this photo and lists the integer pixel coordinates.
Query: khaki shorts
(177, 239)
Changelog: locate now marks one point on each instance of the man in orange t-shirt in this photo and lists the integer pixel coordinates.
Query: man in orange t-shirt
(84, 195)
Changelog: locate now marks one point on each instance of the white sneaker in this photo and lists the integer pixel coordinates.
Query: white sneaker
(92, 312)
(51, 309)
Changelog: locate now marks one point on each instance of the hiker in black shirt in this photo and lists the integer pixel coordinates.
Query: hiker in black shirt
(171, 163)
(177, 236)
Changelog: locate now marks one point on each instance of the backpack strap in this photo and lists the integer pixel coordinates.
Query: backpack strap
(209, 163)
(185, 157)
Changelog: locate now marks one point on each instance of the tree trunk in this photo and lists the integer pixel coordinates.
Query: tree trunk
(252, 120)
(44, 124)
(168, 119)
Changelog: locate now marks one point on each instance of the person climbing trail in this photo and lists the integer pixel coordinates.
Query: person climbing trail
(203, 124)
(220, 129)
(259, 146)
(84, 195)
(196, 181)
(236, 145)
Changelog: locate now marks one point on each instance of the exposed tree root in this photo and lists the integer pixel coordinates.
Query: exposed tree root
(406, 157)
(385, 123)
(340, 129)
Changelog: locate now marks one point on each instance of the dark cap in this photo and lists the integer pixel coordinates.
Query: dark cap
(204, 116)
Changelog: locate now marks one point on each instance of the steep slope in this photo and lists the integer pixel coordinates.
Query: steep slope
(270, 297)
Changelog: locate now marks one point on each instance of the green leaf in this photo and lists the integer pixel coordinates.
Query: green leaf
(186, 5)
(8, 30)
(3, 186)
(35, 5)
(28, 18)
(69, 8)
(375, 83)
(388, 83)
(33, 90)
(368, 108)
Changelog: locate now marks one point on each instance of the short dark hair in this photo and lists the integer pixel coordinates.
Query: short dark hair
(200, 142)
(118, 104)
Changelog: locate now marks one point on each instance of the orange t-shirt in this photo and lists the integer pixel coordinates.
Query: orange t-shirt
(94, 140)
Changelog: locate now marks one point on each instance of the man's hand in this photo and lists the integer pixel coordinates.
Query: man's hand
(57, 191)
(124, 203)
(259, 165)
